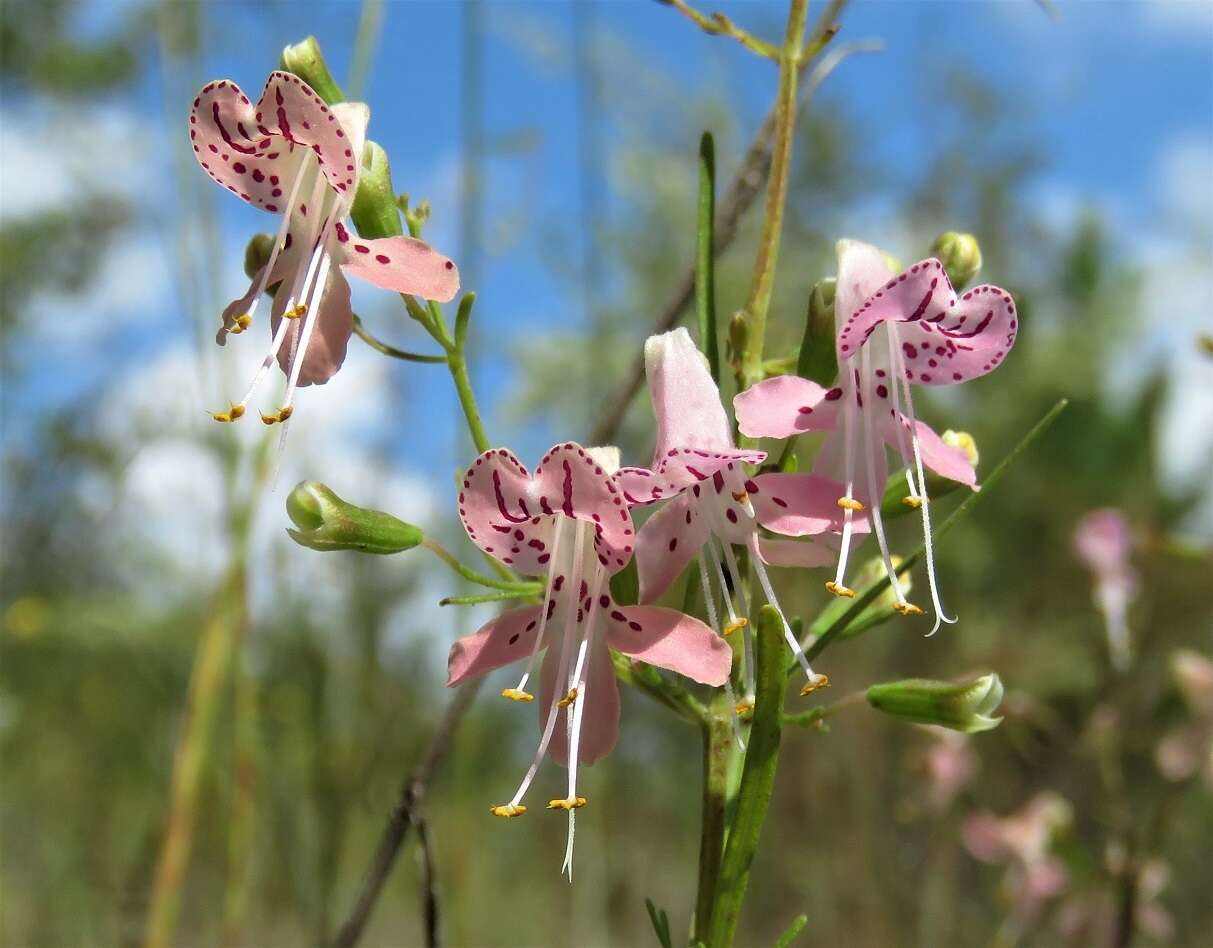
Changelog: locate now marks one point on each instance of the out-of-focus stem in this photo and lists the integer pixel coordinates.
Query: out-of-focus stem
(757, 780)
(705, 257)
(211, 663)
(755, 313)
(717, 746)
(242, 802)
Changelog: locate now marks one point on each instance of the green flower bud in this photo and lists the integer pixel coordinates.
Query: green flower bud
(818, 359)
(307, 62)
(960, 255)
(257, 253)
(326, 522)
(897, 489)
(966, 706)
(375, 212)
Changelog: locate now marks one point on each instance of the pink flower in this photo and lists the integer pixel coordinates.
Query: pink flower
(1022, 842)
(569, 523)
(951, 766)
(1188, 749)
(1104, 543)
(892, 329)
(291, 154)
(712, 502)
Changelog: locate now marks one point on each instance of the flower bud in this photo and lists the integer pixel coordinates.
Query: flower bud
(257, 253)
(307, 62)
(375, 212)
(966, 706)
(960, 256)
(897, 489)
(818, 360)
(326, 522)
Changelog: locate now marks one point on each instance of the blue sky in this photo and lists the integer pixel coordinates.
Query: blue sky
(1118, 95)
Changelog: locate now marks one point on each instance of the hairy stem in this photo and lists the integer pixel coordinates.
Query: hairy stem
(757, 780)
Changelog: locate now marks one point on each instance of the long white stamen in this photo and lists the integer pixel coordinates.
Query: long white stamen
(283, 230)
(713, 620)
(927, 541)
(566, 646)
(848, 450)
(748, 659)
(892, 339)
(872, 442)
(747, 631)
(547, 602)
(769, 592)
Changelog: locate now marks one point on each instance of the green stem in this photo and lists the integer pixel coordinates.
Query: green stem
(757, 780)
(755, 313)
(705, 258)
(717, 748)
(470, 574)
(822, 637)
(365, 335)
(532, 592)
(647, 679)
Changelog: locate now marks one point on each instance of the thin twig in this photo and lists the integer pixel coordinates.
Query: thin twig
(744, 189)
(412, 796)
(429, 881)
(720, 25)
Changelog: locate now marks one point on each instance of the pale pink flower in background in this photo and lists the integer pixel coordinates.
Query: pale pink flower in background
(951, 764)
(568, 522)
(712, 504)
(1188, 750)
(293, 155)
(1092, 917)
(1103, 541)
(1022, 843)
(892, 330)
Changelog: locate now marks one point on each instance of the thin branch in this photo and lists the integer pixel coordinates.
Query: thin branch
(743, 190)
(365, 335)
(720, 25)
(429, 881)
(404, 814)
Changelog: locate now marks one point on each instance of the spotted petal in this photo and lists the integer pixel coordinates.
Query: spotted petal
(679, 469)
(672, 640)
(255, 151)
(506, 639)
(667, 542)
(784, 406)
(945, 460)
(600, 716)
(686, 400)
(509, 513)
(944, 339)
(797, 505)
(401, 264)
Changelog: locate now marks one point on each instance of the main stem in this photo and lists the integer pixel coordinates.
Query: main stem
(759, 302)
(757, 781)
(717, 747)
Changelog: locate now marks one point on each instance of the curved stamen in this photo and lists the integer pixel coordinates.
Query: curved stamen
(815, 680)
(893, 340)
(713, 620)
(927, 541)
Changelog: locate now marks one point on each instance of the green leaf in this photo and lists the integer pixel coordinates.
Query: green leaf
(797, 926)
(661, 923)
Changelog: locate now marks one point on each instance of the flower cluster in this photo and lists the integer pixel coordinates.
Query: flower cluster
(569, 522)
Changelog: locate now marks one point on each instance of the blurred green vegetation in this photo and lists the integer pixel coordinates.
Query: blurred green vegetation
(317, 724)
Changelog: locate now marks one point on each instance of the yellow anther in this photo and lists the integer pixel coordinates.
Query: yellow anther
(282, 414)
(232, 414)
(735, 625)
(508, 810)
(572, 803)
(907, 609)
(240, 324)
(741, 496)
(568, 699)
(744, 707)
(843, 592)
(850, 503)
(295, 311)
(516, 695)
(914, 502)
(814, 683)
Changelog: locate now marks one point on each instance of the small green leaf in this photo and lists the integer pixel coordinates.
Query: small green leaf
(797, 926)
(661, 923)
